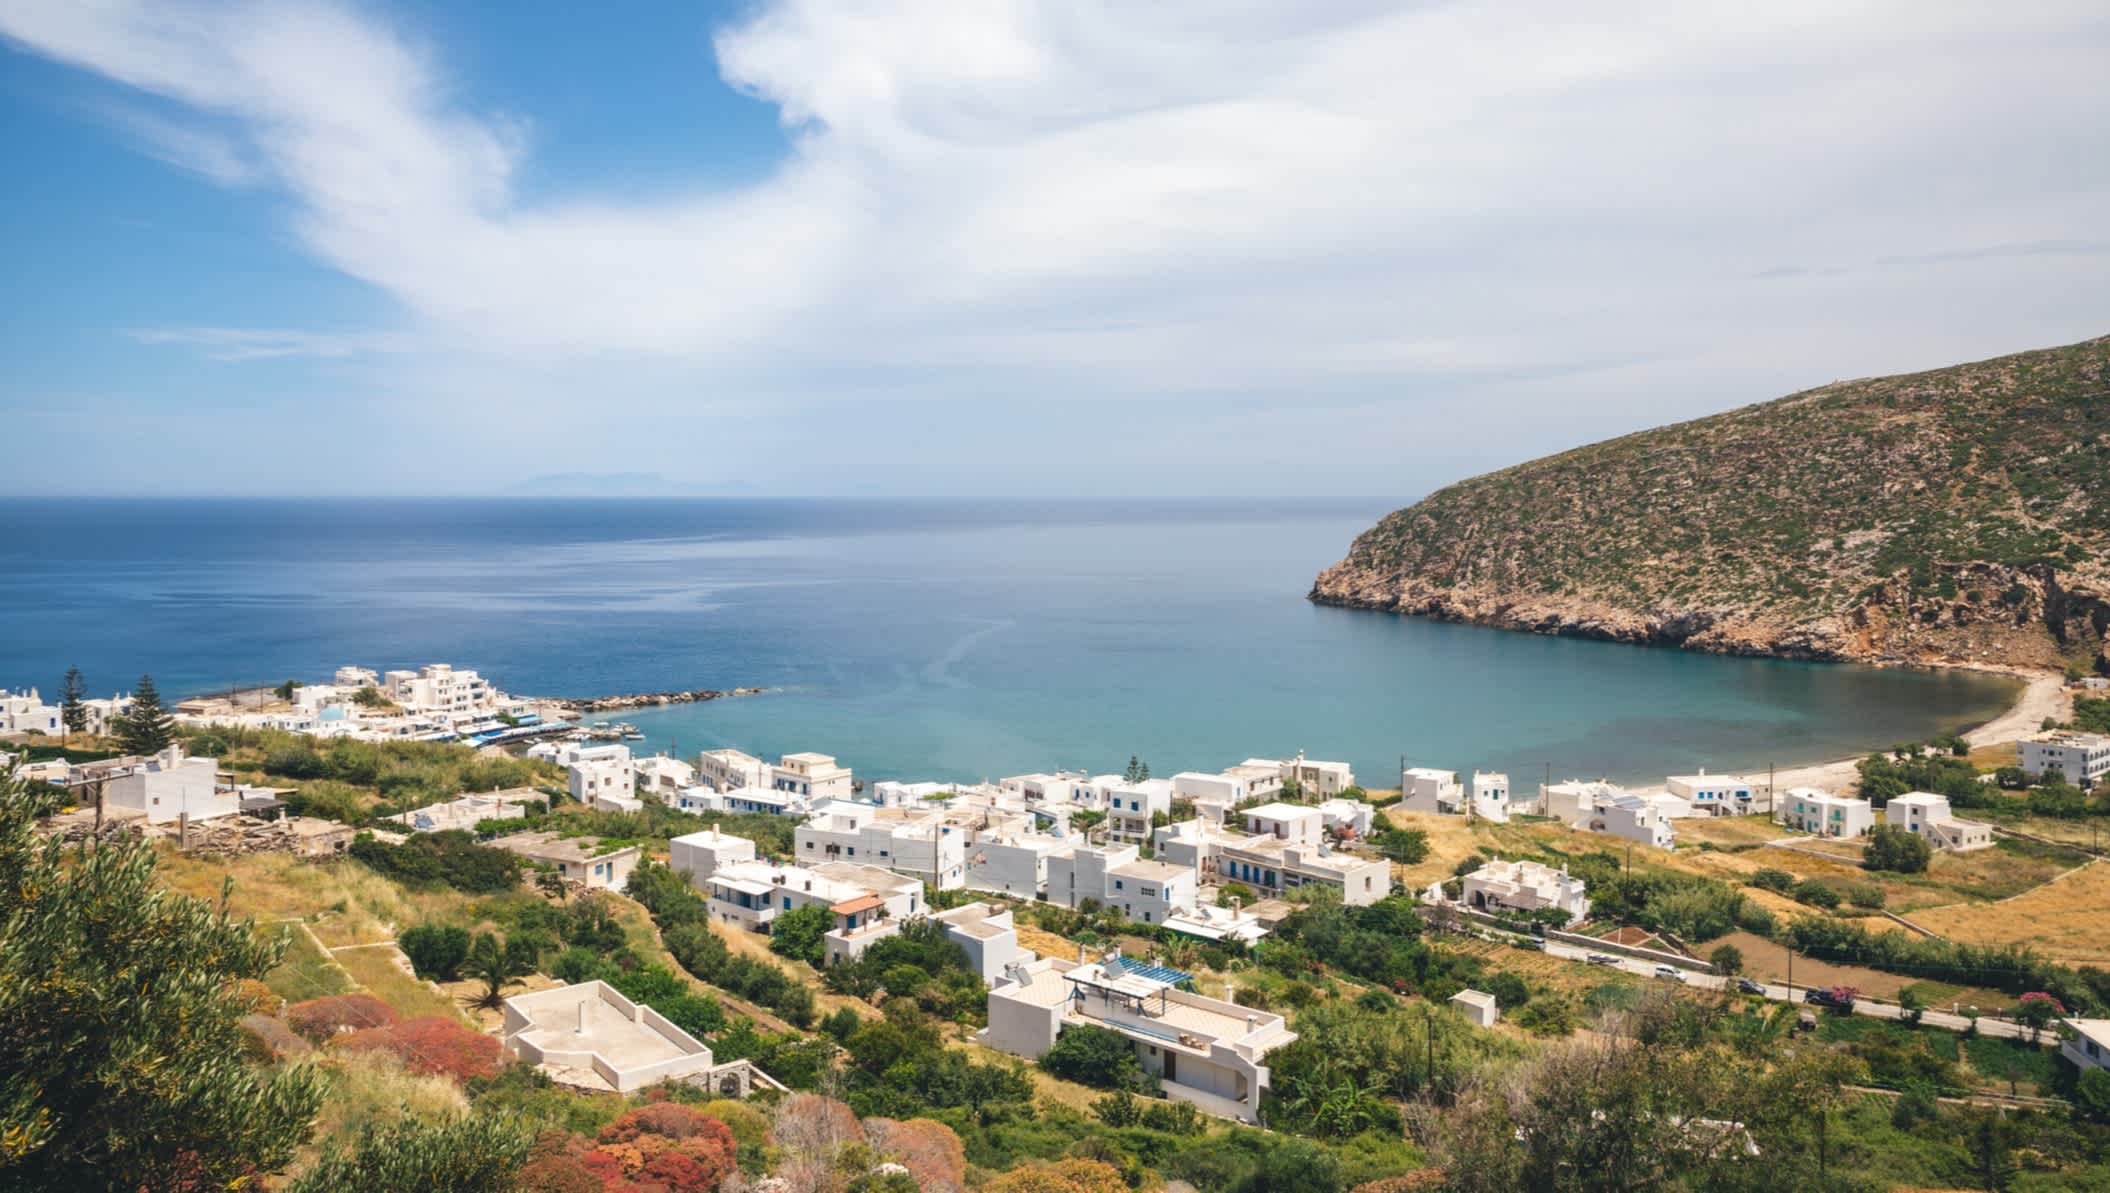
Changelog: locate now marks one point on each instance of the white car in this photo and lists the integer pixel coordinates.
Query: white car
(1671, 972)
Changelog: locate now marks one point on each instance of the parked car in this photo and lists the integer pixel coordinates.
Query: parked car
(1601, 959)
(1533, 946)
(1837, 997)
(1747, 986)
(1670, 973)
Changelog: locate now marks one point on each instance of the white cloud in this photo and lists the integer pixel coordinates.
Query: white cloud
(252, 343)
(1065, 197)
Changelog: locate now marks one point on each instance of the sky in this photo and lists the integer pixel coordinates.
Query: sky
(1002, 246)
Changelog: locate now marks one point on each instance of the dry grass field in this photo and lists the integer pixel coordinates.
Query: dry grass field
(2067, 919)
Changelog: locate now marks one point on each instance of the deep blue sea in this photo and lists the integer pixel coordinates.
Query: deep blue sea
(939, 639)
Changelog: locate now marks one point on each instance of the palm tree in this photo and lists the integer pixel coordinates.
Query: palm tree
(496, 963)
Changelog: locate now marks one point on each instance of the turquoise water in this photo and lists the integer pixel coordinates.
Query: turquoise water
(941, 639)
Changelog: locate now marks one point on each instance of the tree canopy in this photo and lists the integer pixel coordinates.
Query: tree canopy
(122, 1064)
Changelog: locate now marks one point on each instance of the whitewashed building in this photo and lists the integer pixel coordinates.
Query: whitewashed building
(171, 786)
(577, 859)
(1825, 814)
(26, 712)
(2089, 1046)
(1430, 791)
(663, 778)
(698, 855)
(725, 770)
(1525, 886)
(1130, 808)
(588, 1035)
(594, 772)
(813, 776)
(921, 844)
(2078, 758)
(1348, 817)
(439, 690)
(1491, 796)
(1716, 795)
(1927, 816)
(1117, 877)
(1205, 1051)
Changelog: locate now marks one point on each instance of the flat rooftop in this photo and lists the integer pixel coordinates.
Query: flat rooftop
(1281, 811)
(579, 1019)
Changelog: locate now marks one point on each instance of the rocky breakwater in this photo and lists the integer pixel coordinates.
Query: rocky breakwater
(600, 704)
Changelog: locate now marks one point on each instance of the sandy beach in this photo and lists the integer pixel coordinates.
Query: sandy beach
(2044, 694)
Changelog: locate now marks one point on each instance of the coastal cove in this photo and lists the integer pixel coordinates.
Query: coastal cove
(920, 639)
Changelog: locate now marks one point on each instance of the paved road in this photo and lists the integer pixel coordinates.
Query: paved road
(1782, 992)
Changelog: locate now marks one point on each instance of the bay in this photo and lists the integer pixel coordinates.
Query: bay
(941, 639)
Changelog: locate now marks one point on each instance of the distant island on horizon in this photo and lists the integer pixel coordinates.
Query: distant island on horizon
(1956, 517)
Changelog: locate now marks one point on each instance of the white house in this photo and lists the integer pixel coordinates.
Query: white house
(439, 690)
(814, 776)
(919, 843)
(1314, 779)
(1117, 877)
(753, 894)
(664, 778)
(2078, 758)
(1275, 866)
(1205, 1051)
(1570, 800)
(1637, 818)
(595, 771)
(745, 801)
(1715, 795)
(699, 855)
(988, 935)
(1824, 814)
(1295, 823)
(2090, 1046)
(1428, 790)
(1525, 886)
(1348, 817)
(170, 786)
(1062, 788)
(577, 859)
(468, 811)
(1927, 816)
(26, 712)
(1491, 796)
(1012, 862)
(728, 769)
(1130, 807)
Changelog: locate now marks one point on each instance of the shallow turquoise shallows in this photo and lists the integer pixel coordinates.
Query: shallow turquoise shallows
(949, 640)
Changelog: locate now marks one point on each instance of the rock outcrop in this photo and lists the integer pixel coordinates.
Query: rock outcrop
(1956, 516)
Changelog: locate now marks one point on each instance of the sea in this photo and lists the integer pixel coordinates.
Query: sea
(951, 640)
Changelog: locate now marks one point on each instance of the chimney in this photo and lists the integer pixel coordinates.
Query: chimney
(582, 1017)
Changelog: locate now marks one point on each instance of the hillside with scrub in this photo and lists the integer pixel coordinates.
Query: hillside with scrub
(335, 1018)
(1954, 516)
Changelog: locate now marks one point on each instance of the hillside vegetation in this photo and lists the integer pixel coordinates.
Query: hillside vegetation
(1959, 515)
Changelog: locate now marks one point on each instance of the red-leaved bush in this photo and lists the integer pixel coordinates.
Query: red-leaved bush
(320, 1018)
(929, 1149)
(433, 1044)
(664, 1147)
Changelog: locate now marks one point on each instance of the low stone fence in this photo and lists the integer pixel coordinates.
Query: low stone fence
(1628, 950)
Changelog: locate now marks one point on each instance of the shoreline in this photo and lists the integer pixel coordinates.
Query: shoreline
(2044, 694)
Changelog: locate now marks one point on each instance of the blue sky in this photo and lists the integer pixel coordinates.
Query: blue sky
(791, 246)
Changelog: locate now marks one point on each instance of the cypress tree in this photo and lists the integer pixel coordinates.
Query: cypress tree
(149, 728)
(72, 694)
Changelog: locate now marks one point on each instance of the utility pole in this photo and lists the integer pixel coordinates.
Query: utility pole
(1428, 1025)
